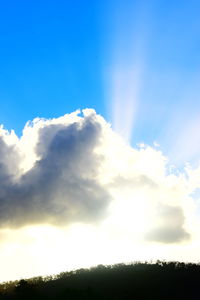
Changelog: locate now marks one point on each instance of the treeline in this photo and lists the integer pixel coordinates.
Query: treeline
(161, 280)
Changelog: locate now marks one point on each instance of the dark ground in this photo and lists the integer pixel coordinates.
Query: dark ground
(161, 280)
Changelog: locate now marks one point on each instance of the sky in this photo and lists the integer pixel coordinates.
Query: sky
(99, 142)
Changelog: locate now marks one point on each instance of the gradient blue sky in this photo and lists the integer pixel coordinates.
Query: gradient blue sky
(135, 62)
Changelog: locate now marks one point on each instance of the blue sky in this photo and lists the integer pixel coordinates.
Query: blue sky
(135, 62)
(50, 59)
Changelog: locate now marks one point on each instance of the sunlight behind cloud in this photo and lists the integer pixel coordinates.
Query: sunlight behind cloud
(87, 198)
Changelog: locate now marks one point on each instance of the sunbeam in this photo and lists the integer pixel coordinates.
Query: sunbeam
(127, 66)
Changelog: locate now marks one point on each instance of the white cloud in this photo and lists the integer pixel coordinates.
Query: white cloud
(75, 171)
(169, 227)
(62, 184)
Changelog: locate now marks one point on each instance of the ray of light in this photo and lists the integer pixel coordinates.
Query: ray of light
(126, 65)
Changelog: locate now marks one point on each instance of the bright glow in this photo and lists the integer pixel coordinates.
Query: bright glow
(147, 198)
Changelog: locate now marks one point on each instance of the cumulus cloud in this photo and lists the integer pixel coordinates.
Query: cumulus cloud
(169, 227)
(76, 169)
(62, 185)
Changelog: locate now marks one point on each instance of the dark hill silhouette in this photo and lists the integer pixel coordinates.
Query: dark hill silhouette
(161, 280)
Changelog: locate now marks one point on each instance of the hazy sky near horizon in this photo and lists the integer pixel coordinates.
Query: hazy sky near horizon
(124, 175)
